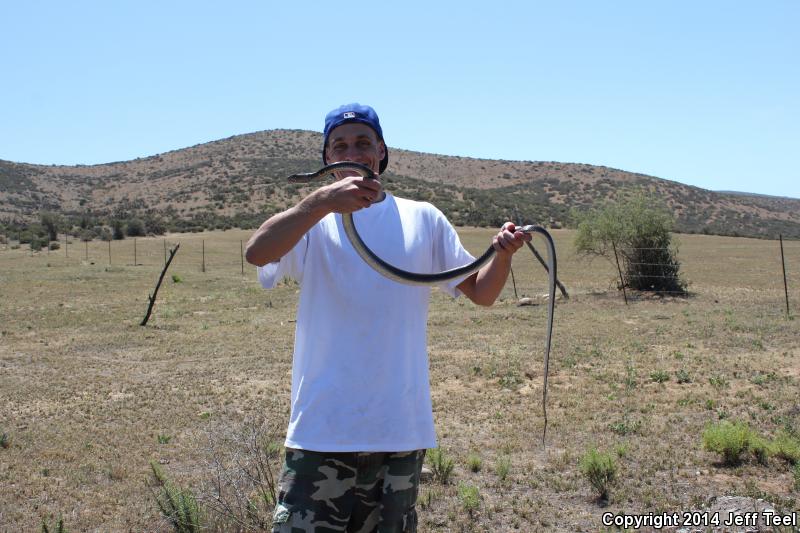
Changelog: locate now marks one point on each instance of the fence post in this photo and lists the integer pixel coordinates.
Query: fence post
(785, 286)
(134, 251)
(109, 253)
(87, 249)
(165, 251)
(514, 283)
(66, 245)
(241, 253)
(204, 255)
(621, 281)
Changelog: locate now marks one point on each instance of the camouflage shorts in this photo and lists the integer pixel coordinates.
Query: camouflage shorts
(351, 492)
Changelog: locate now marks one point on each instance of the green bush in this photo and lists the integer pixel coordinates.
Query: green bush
(659, 376)
(474, 463)
(731, 440)
(640, 230)
(786, 446)
(118, 229)
(503, 467)
(600, 470)
(177, 505)
(441, 465)
(57, 528)
(135, 228)
(470, 497)
(760, 448)
(51, 222)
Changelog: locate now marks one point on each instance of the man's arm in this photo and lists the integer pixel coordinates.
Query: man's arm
(484, 286)
(278, 234)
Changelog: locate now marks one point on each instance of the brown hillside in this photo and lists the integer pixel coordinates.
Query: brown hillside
(244, 175)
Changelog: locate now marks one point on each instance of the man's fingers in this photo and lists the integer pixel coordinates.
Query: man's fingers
(508, 240)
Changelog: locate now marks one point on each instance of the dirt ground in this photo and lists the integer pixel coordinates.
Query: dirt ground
(88, 398)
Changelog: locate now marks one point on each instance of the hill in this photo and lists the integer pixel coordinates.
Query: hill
(239, 181)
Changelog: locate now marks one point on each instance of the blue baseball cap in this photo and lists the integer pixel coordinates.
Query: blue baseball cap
(353, 113)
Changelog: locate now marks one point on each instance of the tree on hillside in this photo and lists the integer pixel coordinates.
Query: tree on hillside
(640, 229)
(51, 223)
(135, 228)
(118, 228)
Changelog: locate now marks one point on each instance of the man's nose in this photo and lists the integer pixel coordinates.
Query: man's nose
(354, 154)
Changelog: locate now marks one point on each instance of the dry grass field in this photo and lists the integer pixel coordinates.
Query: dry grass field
(88, 397)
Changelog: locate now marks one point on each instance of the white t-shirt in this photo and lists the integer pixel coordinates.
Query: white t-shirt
(360, 369)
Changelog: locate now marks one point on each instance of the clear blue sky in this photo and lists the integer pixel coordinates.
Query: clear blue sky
(702, 92)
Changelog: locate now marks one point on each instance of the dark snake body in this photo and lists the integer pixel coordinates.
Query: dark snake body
(414, 278)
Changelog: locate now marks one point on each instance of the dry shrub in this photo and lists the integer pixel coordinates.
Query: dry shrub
(241, 488)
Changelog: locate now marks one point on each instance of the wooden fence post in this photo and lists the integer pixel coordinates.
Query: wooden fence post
(152, 298)
(785, 286)
(514, 282)
(621, 280)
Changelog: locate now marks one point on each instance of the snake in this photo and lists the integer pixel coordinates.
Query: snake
(415, 278)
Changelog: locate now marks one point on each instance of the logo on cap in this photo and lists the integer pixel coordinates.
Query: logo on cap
(349, 114)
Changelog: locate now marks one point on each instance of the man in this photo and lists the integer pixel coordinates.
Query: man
(361, 415)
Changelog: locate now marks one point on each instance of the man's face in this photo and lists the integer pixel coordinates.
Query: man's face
(355, 142)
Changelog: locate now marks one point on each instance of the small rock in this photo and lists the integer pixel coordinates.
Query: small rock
(426, 474)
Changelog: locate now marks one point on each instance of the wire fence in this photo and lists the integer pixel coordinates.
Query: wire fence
(219, 255)
(733, 264)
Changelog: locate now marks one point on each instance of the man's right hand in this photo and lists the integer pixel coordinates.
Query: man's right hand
(280, 232)
(349, 194)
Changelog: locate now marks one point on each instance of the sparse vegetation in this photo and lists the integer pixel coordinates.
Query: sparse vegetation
(58, 527)
(600, 471)
(87, 394)
(626, 426)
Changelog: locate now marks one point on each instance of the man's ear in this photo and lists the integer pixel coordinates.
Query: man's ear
(381, 150)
